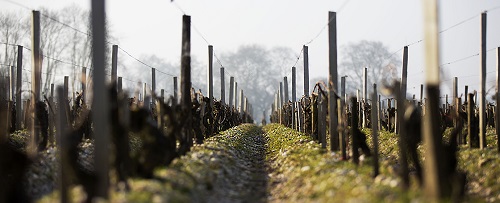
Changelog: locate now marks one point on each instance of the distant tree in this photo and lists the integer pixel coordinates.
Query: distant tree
(258, 71)
(381, 64)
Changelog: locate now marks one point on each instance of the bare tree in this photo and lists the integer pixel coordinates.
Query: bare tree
(12, 30)
(382, 65)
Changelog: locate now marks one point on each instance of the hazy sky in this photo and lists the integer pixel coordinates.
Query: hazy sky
(154, 27)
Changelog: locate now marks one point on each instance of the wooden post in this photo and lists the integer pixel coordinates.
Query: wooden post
(404, 74)
(35, 81)
(285, 90)
(322, 120)
(145, 100)
(281, 95)
(114, 63)
(19, 86)
(482, 79)
(365, 97)
(435, 177)
(497, 109)
(231, 91)
(342, 132)
(12, 85)
(455, 88)
(421, 94)
(120, 85)
(100, 104)
(375, 119)
(332, 81)
(176, 91)
(186, 82)
(222, 86)
(236, 96)
(66, 89)
(62, 130)
(471, 122)
(210, 79)
(52, 118)
(153, 83)
(402, 142)
(242, 102)
(294, 98)
(354, 126)
(84, 84)
(466, 93)
(306, 70)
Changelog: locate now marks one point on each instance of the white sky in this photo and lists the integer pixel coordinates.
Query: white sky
(154, 27)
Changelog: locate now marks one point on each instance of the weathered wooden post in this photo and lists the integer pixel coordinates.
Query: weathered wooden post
(231, 91)
(435, 179)
(236, 96)
(176, 91)
(306, 70)
(403, 88)
(482, 79)
(52, 118)
(402, 142)
(455, 88)
(294, 98)
(332, 81)
(365, 97)
(466, 93)
(354, 126)
(285, 90)
(281, 95)
(100, 106)
(421, 94)
(343, 128)
(242, 102)
(210, 79)
(471, 123)
(186, 84)
(497, 110)
(114, 63)
(35, 81)
(222, 86)
(153, 83)
(12, 85)
(322, 120)
(62, 130)
(375, 118)
(66, 89)
(120, 85)
(19, 86)
(280, 109)
(83, 81)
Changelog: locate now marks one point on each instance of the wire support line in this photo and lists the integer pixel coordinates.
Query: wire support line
(124, 51)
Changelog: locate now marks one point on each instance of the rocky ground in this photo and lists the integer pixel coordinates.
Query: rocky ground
(268, 164)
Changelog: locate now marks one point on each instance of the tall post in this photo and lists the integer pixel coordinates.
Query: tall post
(19, 86)
(231, 91)
(83, 80)
(242, 102)
(66, 89)
(332, 81)
(375, 118)
(120, 85)
(235, 95)
(306, 70)
(466, 93)
(435, 177)
(114, 63)
(176, 91)
(12, 85)
(365, 97)
(482, 91)
(222, 86)
(285, 89)
(294, 97)
(422, 94)
(210, 79)
(322, 120)
(186, 83)
(62, 128)
(281, 95)
(404, 74)
(153, 82)
(52, 118)
(402, 142)
(100, 106)
(455, 88)
(35, 80)
(497, 110)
